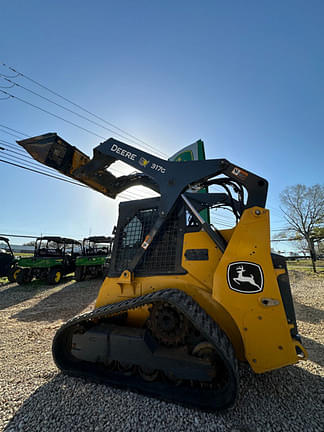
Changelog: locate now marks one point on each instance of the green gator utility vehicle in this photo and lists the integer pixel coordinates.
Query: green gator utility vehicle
(95, 258)
(7, 261)
(53, 258)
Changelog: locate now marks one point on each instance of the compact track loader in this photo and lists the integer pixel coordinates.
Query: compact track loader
(183, 301)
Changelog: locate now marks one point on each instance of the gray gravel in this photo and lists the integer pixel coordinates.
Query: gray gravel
(35, 397)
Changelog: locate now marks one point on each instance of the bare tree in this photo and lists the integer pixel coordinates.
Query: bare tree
(304, 211)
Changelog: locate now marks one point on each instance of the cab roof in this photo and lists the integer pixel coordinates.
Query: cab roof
(59, 239)
(99, 239)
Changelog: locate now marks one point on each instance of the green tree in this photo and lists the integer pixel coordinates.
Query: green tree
(303, 208)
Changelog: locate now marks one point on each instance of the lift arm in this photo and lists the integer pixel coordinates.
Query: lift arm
(168, 178)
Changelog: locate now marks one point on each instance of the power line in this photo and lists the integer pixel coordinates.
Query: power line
(30, 161)
(14, 148)
(14, 130)
(40, 172)
(122, 195)
(77, 114)
(9, 133)
(81, 108)
(52, 114)
(17, 149)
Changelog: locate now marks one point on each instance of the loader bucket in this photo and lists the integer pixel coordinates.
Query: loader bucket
(53, 151)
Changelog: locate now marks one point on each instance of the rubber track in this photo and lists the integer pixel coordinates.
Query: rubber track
(207, 399)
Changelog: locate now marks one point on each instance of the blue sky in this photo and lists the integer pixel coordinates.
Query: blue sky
(244, 76)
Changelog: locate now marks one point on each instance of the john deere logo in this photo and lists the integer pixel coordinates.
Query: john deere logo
(245, 277)
(143, 162)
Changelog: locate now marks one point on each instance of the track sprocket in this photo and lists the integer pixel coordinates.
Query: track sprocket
(168, 325)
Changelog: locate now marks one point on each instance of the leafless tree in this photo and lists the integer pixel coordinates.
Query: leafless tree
(304, 211)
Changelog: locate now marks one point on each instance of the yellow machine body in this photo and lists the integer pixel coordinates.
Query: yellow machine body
(255, 323)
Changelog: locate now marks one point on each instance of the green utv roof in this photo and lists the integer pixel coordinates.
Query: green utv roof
(59, 239)
(99, 239)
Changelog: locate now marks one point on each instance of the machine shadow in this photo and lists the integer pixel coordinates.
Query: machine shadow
(308, 313)
(16, 294)
(62, 304)
(62, 394)
(315, 350)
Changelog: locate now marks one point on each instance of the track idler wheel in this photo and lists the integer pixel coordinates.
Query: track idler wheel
(173, 379)
(125, 368)
(148, 374)
(206, 351)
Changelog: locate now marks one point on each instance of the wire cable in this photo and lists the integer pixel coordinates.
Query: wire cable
(76, 105)
(75, 113)
(122, 195)
(17, 150)
(39, 172)
(52, 114)
(14, 130)
(15, 147)
(30, 161)
(7, 87)
(9, 133)
(81, 108)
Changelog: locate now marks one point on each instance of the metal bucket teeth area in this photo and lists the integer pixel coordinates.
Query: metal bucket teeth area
(218, 396)
(51, 150)
(38, 147)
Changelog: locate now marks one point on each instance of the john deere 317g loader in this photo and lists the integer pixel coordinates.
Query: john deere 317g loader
(183, 301)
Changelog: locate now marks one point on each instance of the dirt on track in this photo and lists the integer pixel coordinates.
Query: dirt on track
(34, 396)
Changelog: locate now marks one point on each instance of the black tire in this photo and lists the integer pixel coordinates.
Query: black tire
(54, 276)
(28, 277)
(23, 276)
(79, 274)
(12, 274)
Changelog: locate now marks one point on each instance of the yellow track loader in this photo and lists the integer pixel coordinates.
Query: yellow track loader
(183, 301)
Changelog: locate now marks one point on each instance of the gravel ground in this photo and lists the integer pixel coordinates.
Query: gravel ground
(35, 397)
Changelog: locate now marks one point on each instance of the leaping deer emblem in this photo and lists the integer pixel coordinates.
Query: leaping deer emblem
(240, 278)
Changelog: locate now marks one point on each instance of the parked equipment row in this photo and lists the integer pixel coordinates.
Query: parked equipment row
(55, 257)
